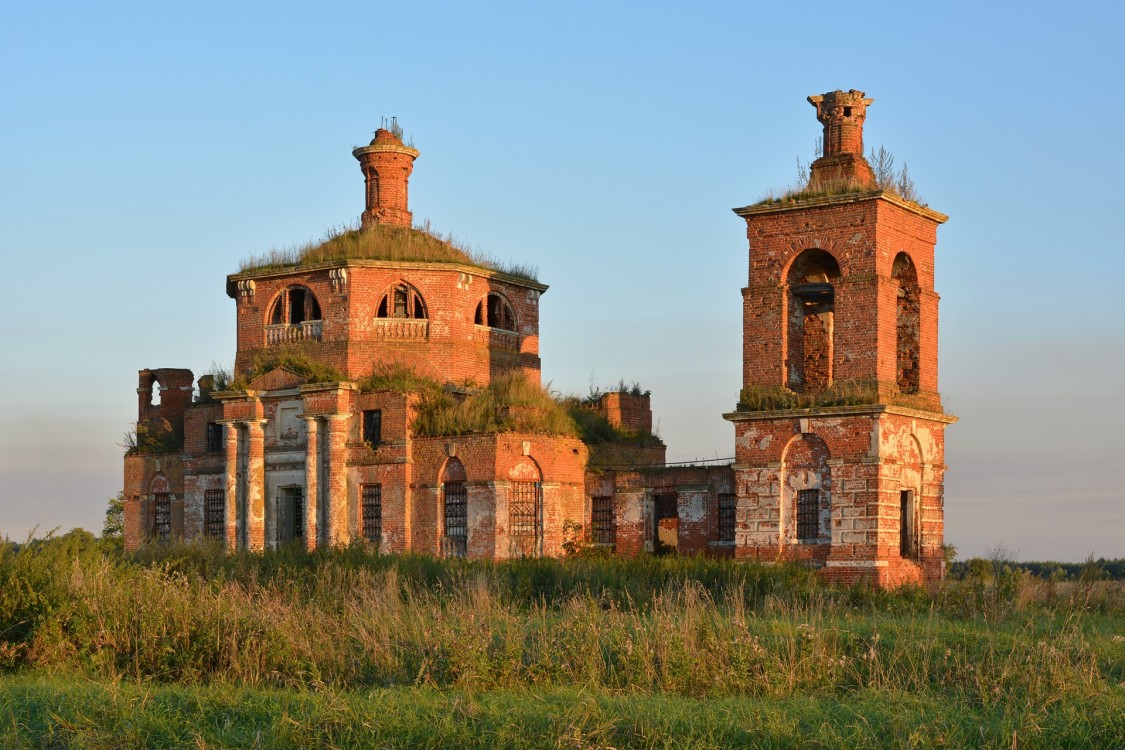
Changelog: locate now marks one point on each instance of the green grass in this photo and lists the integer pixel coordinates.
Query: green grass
(44, 711)
(383, 242)
(183, 645)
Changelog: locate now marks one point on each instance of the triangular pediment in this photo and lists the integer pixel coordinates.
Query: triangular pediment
(277, 379)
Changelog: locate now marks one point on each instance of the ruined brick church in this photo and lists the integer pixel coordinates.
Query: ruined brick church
(839, 428)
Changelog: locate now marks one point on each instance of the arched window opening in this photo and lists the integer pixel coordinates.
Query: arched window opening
(812, 298)
(907, 324)
(294, 306)
(154, 399)
(455, 507)
(495, 312)
(402, 301)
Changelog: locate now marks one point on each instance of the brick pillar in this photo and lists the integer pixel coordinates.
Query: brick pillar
(311, 482)
(232, 485)
(337, 490)
(255, 485)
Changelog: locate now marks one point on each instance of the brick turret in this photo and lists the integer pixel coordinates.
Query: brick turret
(842, 113)
(386, 163)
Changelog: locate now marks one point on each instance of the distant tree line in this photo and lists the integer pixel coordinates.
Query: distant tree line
(1100, 569)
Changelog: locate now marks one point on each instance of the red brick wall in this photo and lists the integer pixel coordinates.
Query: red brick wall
(447, 346)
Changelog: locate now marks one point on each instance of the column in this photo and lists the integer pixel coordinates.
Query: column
(230, 497)
(255, 485)
(336, 494)
(312, 494)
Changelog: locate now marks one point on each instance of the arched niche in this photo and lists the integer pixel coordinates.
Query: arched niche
(806, 491)
(907, 324)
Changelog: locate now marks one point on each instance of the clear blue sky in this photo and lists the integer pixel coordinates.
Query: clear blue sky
(146, 147)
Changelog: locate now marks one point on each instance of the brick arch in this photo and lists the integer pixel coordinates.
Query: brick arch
(453, 470)
(805, 469)
(803, 245)
(526, 469)
(159, 484)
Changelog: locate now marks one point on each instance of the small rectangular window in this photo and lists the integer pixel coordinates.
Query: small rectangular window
(372, 511)
(214, 514)
(603, 526)
(373, 426)
(214, 437)
(162, 516)
(726, 517)
(808, 515)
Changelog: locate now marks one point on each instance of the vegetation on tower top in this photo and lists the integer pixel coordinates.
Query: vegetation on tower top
(384, 242)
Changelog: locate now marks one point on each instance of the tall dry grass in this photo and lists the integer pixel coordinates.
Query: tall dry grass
(696, 628)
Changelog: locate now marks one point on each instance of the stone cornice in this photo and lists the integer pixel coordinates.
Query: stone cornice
(800, 204)
(282, 271)
(839, 411)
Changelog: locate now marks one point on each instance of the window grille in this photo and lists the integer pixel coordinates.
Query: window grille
(214, 437)
(808, 515)
(603, 525)
(525, 523)
(456, 519)
(162, 516)
(298, 513)
(373, 426)
(726, 517)
(214, 514)
(373, 512)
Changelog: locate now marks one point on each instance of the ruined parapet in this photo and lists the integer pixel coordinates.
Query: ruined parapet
(627, 411)
(386, 163)
(842, 113)
(163, 396)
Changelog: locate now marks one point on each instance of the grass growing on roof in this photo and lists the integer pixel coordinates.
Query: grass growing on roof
(510, 403)
(300, 359)
(384, 242)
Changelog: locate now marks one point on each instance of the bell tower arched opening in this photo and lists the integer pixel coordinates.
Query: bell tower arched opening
(811, 299)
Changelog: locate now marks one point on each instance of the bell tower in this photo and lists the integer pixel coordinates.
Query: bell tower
(839, 429)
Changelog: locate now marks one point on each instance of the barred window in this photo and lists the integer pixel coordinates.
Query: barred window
(525, 521)
(603, 525)
(162, 516)
(808, 515)
(214, 437)
(372, 509)
(456, 518)
(726, 517)
(214, 513)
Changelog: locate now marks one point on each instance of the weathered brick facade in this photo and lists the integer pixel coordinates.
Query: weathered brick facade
(839, 432)
(839, 436)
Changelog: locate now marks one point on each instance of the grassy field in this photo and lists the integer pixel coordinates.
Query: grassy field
(183, 646)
